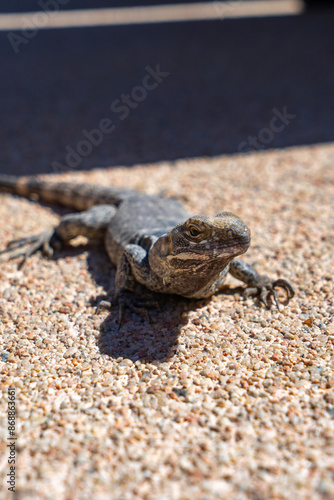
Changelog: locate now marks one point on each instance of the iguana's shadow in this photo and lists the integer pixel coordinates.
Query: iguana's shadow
(138, 338)
(141, 339)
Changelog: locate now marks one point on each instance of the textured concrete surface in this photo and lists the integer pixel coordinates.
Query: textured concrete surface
(215, 399)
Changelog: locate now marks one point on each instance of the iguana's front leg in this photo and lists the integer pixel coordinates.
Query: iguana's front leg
(132, 268)
(260, 285)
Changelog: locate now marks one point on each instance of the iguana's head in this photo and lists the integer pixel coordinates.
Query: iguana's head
(204, 245)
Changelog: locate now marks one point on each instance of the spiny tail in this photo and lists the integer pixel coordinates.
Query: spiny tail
(68, 194)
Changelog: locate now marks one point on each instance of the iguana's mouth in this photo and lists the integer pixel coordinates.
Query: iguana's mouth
(244, 240)
(240, 242)
(221, 251)
(190, 256)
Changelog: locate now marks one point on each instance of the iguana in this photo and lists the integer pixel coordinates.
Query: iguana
(152, 240)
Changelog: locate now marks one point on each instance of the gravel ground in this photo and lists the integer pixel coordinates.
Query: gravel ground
(215, 399)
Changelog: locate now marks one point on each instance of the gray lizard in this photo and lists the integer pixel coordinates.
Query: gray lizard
(151, 240)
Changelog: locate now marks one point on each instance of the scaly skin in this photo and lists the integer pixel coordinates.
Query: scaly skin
(151, 240)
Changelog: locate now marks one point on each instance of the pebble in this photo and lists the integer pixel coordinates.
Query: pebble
(70, 352)
(4, 356)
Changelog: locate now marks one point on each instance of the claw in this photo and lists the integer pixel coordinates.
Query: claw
(128, 300)
(34, 243)
(280, 283)
(271, 291)
(268, 290)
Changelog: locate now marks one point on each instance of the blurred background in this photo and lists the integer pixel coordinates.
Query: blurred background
(229, 74)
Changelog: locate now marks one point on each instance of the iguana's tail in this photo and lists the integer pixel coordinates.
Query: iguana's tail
(68, 194)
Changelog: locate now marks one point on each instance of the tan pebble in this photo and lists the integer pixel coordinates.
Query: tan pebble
(330, 329)
(127, 362)
(308, 321)
(12, 360)
(64, 310)
(164, 366)
(162, 399)
(108, 380)
(330, 382)
(152, 389)
(108, 392)
(70, 352)
(22, 353)
(329, 398)
(290, 335)
(213, 375)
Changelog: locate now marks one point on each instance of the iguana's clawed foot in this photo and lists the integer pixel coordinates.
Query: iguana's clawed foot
(267, 291)
(128, 300)
(25, 247)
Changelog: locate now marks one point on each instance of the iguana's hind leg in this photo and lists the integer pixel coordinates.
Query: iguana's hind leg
(260, 285)
(91, 223)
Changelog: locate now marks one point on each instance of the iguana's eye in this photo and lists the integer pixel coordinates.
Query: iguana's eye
(194, 231)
